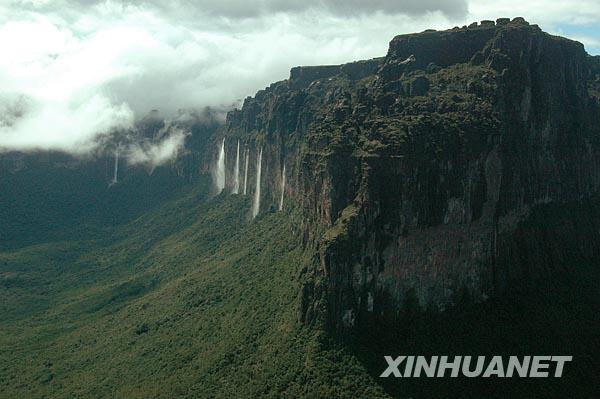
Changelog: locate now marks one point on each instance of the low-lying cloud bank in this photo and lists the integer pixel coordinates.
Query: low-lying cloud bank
(153, 154)
(76, 127)
(74, 72)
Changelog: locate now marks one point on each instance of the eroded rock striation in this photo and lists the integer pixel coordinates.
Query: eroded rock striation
(458, 166)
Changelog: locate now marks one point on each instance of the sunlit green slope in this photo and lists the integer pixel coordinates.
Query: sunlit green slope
(189, 300)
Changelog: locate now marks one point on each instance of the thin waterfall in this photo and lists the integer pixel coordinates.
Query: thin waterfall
(282, 188)
(220, 174)
(236, 178)
(247, 158)
(256, 206)
(116, 170)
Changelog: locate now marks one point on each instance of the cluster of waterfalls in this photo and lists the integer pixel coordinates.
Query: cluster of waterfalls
(220, 173)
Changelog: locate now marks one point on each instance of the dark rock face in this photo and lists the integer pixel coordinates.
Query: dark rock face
(423, 174)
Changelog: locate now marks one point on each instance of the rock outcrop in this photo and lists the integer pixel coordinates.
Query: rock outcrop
(422, 175)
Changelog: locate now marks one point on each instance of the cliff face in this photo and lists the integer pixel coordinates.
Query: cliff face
(440, 173)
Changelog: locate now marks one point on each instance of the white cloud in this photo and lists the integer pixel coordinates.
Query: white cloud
(154, 154)
(75, 128)
(86, 73)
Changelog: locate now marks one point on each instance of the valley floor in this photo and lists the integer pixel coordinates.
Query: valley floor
(189, 300)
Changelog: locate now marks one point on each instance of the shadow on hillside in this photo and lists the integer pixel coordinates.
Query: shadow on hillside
(525, 325)
(555, 313)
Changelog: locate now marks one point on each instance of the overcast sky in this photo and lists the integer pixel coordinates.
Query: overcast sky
(71, 70)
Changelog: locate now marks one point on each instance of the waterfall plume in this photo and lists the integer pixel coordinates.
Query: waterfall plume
(282, 188)
(256, 205)
(220, 172)
(115, 178)
(236, 178)
(246, 158)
